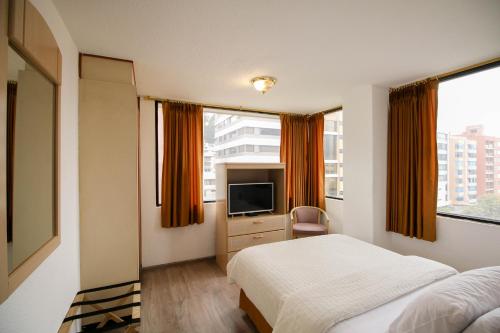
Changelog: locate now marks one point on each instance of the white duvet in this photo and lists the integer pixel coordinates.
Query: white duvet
(310, 284)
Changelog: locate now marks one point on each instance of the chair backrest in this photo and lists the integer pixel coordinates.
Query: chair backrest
(307, 214)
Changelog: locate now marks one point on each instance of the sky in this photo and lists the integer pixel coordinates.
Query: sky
(470, 100)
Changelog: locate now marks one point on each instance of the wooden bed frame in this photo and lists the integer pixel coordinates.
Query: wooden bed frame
(257, 318)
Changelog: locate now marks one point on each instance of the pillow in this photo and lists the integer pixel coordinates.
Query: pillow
(487, 323)
(452, 304)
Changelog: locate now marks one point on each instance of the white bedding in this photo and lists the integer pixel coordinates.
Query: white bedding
(378, 319)
(310, 284)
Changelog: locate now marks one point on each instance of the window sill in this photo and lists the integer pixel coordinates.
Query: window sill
(469, 218)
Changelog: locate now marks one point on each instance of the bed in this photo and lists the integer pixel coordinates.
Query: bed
(329, 284)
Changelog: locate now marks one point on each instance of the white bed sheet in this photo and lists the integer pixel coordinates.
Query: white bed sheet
(379, 319)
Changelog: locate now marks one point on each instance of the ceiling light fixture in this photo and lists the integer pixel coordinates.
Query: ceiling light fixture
(263, 83)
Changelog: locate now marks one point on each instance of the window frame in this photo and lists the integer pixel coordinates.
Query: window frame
(469, 218)
(333, 197)
(325, 113)
(453, 76)
(157, 171)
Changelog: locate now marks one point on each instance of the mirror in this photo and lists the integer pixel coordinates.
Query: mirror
(31, 160)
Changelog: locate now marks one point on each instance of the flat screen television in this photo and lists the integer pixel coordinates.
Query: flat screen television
(250, 198)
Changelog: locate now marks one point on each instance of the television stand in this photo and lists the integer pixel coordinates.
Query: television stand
(236, 232)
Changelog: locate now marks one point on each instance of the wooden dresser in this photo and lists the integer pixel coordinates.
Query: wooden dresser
(235, 233)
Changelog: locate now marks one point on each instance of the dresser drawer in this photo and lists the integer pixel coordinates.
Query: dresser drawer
(237, 243)
(251, 225)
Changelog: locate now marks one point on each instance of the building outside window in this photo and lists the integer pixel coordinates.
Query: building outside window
(468, 142)
(240, 138)
(333, 149)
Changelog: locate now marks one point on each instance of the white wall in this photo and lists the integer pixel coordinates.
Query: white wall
(460, 243)
(365, 137)
(358, 163)
(380, 112)
(161, 245)
(40, 303)
(335, 211)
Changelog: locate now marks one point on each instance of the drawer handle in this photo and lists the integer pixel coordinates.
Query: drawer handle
(258, 236)
(258, 222)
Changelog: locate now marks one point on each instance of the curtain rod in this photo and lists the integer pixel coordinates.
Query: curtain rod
(332, 110)
(212, 106)
(230, 108)
(455, 73)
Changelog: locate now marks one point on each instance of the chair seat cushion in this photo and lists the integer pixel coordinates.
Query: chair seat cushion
(309, 228)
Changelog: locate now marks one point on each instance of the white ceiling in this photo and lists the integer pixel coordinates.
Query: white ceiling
(207, 51)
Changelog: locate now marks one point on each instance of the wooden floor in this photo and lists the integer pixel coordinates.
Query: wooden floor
(190, 297)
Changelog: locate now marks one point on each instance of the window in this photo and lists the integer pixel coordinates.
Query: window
(468, 132)
(227, 137)
(333, 148)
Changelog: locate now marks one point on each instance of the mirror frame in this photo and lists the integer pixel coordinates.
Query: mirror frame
(23, 28)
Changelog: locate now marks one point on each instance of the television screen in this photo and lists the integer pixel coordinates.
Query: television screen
(250, 198)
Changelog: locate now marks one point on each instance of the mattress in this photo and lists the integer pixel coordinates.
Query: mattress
(322, 283)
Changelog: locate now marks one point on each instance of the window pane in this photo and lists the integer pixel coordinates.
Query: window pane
(468, 143)
(333, 155)
(237, 138)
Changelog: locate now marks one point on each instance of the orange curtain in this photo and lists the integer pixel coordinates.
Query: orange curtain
(181, 186)
(316, 161)
(412, 169)
(11, 122)
(293, 152)
(301, 150)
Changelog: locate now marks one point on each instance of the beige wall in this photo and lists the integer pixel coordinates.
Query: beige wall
(109, 227)
(40, 303)
(33, 198)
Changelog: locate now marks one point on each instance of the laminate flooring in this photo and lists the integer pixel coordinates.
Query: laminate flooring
(191, 297)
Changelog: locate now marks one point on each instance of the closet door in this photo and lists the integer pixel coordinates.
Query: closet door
(108, 157)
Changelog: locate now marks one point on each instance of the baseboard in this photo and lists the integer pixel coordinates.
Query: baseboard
(176, 263)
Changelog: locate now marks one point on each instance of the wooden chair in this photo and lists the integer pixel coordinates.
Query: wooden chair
(309, 221)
